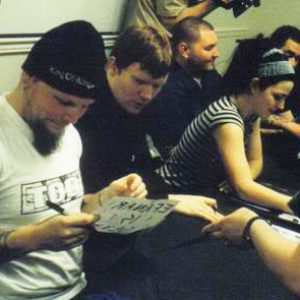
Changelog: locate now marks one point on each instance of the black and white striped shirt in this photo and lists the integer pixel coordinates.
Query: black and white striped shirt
(196, 164)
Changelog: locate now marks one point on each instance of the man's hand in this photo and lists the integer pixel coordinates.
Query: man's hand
(230, 227)
(56, 233)
(131, 185)
(196, 206)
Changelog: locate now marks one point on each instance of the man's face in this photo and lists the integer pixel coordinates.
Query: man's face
(48, 111)
(292, 49)
(203, 53)
(133, 87)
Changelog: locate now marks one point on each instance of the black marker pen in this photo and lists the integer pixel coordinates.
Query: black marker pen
(56, 207)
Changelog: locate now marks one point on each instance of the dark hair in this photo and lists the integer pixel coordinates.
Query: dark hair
(244, 65)
(283, 33)
(187, 30)
(145, 45)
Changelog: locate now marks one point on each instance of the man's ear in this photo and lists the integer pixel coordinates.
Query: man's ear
(112, 65)
(183, 50)
(27, 80)
(254, 85)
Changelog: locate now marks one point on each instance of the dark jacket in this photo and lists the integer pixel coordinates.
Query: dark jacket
(114, 144)
(178, 103)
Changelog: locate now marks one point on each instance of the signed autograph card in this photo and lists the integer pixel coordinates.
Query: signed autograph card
(125, 215)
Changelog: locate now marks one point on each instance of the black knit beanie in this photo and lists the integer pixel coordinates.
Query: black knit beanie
(69, 58)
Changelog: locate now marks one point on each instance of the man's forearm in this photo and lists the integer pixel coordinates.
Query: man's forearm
(198, 10)
(15, 243)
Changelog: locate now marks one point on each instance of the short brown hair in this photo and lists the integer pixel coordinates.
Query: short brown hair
(145, 45)
(187, 30)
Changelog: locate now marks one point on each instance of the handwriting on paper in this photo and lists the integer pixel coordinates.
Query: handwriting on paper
(127, 215)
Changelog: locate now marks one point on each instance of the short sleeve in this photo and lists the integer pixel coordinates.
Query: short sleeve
(170, 8)
(217, 114)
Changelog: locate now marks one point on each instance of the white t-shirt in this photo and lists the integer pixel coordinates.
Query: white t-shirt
(27, 180)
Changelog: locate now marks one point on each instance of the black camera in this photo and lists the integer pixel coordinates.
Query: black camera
(238, 6)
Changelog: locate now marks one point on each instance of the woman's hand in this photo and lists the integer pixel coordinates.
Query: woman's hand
(196, 206)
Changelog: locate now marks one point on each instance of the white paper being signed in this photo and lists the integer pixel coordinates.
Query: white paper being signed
(125, 215)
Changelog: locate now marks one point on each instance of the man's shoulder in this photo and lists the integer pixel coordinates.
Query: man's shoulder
(179, 81)
(97, 115)
(181, 78)
(212, 75)
(178, 73)
(212, 85)
(87, 122)
(180, 89)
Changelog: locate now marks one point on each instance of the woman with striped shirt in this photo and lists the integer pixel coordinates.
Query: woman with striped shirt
(223, 142)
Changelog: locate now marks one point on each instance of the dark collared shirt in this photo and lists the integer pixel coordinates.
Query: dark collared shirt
(178, 103)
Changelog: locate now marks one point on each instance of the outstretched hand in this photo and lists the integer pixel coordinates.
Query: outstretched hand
(230, 227)
(197, 206)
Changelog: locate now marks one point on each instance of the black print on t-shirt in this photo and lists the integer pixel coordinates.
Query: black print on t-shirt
(59, 190)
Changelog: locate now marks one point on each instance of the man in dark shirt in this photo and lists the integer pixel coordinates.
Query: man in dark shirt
(113, 136)
(114, 140)
(281, 134)
(193, 83)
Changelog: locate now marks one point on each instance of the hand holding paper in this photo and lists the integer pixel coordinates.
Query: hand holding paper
(131, 185)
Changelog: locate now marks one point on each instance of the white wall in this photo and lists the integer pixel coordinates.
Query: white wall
(37, 16)
(264, 19)
(272, 14)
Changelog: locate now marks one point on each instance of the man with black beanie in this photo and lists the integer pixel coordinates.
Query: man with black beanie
(44, 215)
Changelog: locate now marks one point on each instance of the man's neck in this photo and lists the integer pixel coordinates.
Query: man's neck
(187, 69)
(14, 99)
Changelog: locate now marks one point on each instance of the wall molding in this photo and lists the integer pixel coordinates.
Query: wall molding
(224, 33)
(18, 44)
